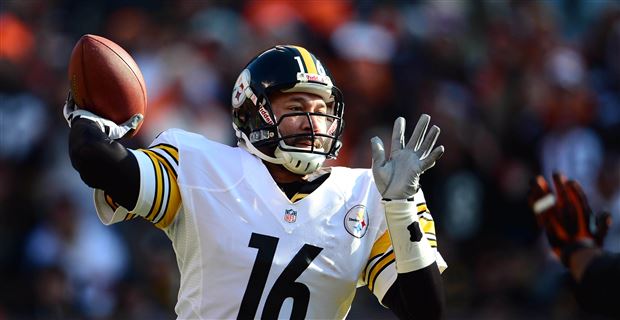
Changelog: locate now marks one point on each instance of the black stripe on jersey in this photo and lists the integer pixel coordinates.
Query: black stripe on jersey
(160, 187)
(167, 202)
(379, 272)
(366, 271)
(159, 145)
(164, 159)
(156, 187)
(385, 256)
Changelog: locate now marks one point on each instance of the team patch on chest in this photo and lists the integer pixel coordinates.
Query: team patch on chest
(356, 221)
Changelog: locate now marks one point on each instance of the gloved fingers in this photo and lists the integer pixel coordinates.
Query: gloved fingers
(555, 226)
(559, 182)
(378, 152)
(540, 198)
(418, 132)
(429, 161)
(68, 108)
(133, 122)
(580, 209)
(429, 141)
(577, 197)
(398, 135)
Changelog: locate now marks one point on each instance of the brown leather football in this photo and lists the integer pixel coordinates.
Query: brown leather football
(105, 80)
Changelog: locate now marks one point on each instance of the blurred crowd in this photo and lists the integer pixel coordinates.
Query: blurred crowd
(517, 87)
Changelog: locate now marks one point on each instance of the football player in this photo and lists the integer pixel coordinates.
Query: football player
(263, 230)
(576, 237)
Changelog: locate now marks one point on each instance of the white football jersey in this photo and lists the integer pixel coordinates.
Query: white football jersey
(245, 250)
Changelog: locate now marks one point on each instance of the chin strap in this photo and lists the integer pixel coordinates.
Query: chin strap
(301, 163)
(244, 143)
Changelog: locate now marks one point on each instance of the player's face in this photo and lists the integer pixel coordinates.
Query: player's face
(297, 102)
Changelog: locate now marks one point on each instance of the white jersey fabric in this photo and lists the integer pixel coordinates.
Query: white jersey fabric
(244, 250)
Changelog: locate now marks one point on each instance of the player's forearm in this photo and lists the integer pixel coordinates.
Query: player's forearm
(580, 260)
(418, 290)
(597, 290)
(418, 294)
(103, 163)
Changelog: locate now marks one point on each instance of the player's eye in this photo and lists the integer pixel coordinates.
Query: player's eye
(295, 107)
(322, 110)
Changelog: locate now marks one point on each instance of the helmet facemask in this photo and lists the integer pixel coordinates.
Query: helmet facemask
(257, 127)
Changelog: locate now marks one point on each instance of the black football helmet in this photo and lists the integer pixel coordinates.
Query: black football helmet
(285, 68)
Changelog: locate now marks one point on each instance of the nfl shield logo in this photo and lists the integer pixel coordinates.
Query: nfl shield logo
(290, 215)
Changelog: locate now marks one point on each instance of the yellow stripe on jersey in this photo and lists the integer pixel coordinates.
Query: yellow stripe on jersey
(159, 186)
(381, 245)
(378, 267)
(170, 150)
(422, 207)
(169, 206)
(427, 224)
(379, 248)
(298, 196)
(159, 158)
(307, 58)
(173, 202)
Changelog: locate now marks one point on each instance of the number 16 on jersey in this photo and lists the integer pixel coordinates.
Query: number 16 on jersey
(284, 287)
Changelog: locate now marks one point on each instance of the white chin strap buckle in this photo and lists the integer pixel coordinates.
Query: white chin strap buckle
(301, 163)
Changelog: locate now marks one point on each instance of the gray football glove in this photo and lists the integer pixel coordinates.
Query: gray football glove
(398, 176)
(115, 131)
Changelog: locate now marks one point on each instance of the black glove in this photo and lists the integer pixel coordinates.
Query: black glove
(566, 216)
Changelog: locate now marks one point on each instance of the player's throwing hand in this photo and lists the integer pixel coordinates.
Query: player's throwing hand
(115, 131)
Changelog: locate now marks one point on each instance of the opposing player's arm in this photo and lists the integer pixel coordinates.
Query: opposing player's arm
(597, 291)
(104, 163)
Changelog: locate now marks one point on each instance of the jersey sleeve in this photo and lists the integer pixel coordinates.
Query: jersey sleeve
(380, 271)
(159, 198)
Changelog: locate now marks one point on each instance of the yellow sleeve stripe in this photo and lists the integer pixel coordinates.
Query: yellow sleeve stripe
(433, 243)
(422, 207)
(385, 261)
(159, 187)
(381, 245)
(172, 151)
(307, 58)
(162, 160)
(427, 226)
(173, 204)
(170, 206)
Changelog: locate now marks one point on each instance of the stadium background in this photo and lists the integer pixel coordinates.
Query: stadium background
(518, 87)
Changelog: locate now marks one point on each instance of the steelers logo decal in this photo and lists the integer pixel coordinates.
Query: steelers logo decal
(243, 83)
(356, 221)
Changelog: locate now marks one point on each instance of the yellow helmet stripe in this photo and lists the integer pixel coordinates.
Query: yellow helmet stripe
(307, 58)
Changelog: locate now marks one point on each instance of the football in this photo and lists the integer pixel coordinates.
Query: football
(105, 80)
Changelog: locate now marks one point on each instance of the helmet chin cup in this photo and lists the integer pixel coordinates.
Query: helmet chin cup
(301, 163)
